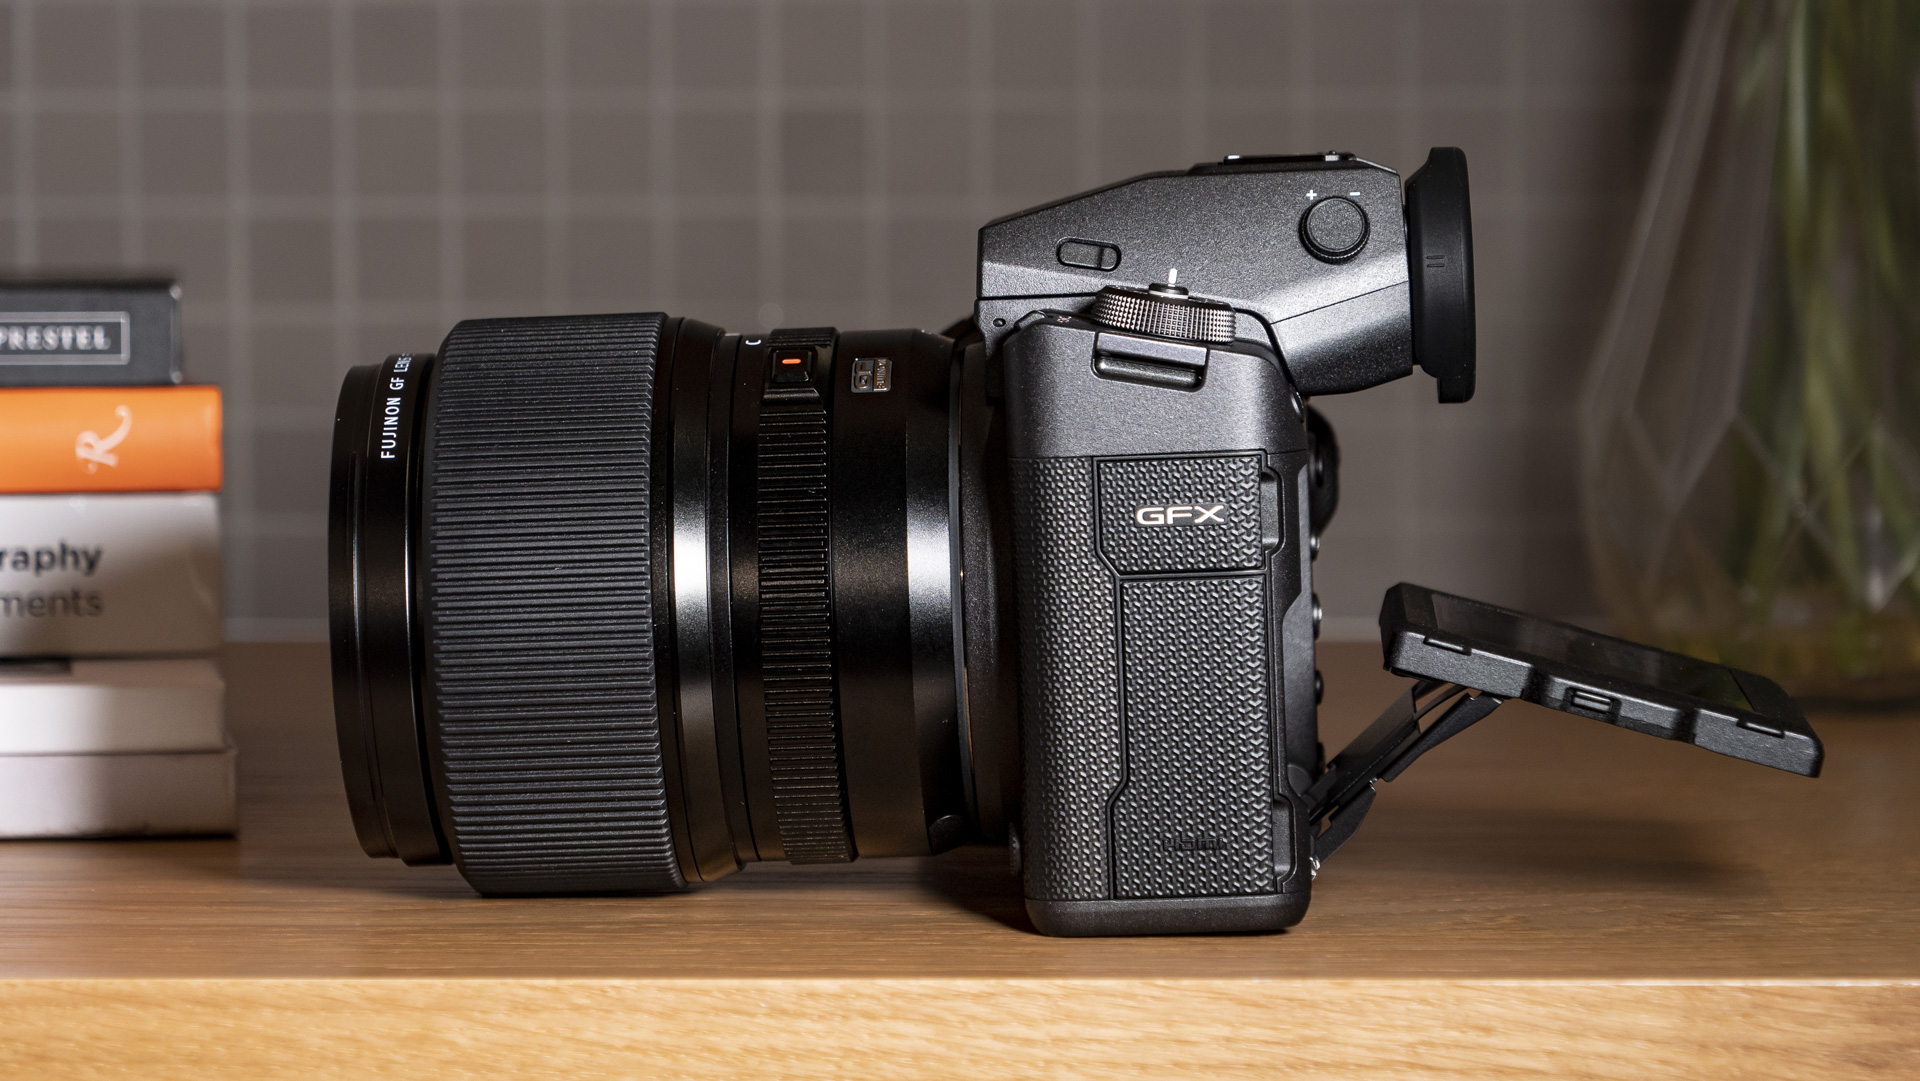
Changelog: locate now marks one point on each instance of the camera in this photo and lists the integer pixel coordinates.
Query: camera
(620, 603)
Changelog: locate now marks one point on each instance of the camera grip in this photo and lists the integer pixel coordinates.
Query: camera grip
(1147, 679)
(1069, 679)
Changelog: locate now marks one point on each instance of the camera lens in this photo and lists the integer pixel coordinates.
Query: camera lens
(624, 602)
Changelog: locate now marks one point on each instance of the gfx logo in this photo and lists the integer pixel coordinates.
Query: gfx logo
(1181, 514)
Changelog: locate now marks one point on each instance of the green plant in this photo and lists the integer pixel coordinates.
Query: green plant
(1831, 493)
(1751, 427)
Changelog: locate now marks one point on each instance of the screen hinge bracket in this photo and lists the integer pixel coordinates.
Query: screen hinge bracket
(1344, 793)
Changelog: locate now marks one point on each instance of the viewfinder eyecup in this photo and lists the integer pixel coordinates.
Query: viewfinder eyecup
(1440, 267)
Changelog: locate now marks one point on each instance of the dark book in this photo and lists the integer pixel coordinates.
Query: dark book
(89, 333)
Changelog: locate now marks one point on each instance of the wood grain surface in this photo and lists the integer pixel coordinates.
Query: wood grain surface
(1545, 896)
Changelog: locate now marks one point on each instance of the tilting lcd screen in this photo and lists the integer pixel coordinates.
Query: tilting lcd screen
(1496, 627)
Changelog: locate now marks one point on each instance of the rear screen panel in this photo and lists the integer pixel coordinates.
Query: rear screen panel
(1484, 623)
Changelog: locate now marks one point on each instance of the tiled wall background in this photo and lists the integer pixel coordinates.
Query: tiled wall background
(333, 181)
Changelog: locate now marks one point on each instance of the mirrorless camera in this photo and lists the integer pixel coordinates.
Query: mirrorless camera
(625, 602)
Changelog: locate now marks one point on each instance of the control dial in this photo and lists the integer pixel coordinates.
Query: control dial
(1164, 311)
(1334, 230)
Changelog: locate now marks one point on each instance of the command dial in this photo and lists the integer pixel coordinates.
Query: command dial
(1334, 229)
(1165, 311)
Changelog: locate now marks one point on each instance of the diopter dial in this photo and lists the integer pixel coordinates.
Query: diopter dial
(1334, 229)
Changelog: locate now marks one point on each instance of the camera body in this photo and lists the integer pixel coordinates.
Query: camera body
(1161, 477)
(1165, 625)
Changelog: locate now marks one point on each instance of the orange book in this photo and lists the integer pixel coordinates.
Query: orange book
(110, 439)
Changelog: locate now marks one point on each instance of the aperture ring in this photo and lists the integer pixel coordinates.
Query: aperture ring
(796, 628)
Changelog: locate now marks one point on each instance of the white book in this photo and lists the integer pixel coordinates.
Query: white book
(123, 573)
(117, 795)
(96, 706)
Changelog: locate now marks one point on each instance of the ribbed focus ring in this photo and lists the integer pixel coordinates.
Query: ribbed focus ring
(796, 636)
(542, 702)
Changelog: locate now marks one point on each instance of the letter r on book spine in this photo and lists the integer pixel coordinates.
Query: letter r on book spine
(110, 439)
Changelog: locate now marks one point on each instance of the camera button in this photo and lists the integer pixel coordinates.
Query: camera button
(1334, 229)
(1591, 703)
(791, 366)
(1088, 254)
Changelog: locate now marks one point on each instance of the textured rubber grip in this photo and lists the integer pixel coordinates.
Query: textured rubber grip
(1195, 818)
(1069, 680)
(543, 708)
(1146, 644)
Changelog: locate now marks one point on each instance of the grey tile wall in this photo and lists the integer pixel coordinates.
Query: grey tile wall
(334, 180)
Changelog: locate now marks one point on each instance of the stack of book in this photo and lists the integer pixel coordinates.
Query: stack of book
(112, 719)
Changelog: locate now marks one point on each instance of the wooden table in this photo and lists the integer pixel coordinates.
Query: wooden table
(1543, 896)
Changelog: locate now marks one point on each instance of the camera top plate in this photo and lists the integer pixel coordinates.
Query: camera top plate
(1316, 256)
(1230, 232)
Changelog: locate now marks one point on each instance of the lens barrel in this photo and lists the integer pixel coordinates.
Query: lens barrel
(622, 602)
(371, 537)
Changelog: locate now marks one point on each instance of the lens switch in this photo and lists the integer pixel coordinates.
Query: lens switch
(792, 366)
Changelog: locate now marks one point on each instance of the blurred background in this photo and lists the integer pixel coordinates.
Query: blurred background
(335, 181)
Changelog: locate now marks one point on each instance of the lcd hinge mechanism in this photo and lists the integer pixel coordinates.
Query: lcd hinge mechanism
(1344, 793)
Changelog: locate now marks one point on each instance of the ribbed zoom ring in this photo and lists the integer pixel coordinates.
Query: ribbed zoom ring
(543, 709)
(796, 635)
